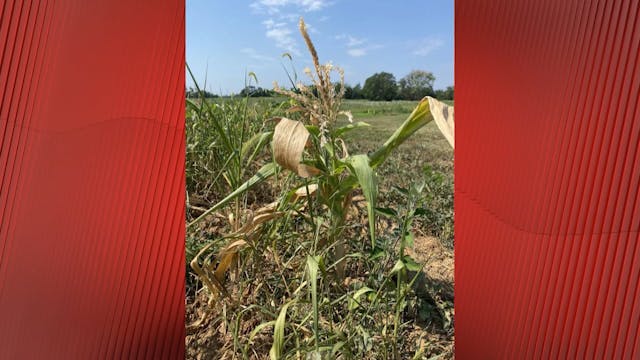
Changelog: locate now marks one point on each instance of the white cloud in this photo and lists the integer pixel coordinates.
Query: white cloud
(253, 54)
(282, 35)
(357, 47)
(355, 41)
(357, 52)
(426, 46)
(274, 6)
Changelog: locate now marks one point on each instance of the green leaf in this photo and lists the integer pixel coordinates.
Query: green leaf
(367, 179)
(420, 116)
(259, 328)
(401, 190)
(253, 75)
(343, 129)
(336, 347)
(313, 130)
(263, 174)
(255, 144)
(353, 303)
(397, 267)
(408, 239)
(313, 264)
(278, 333)
(388, 212)
(377, 253)
(411, 264)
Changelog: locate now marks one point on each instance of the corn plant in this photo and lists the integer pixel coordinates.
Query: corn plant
(322, 177)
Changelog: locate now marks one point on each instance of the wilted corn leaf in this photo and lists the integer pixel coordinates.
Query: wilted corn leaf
(228, 255)
(230, 252)
(367, 180)
(443, 116)
(302, 191)
(289, 140)
(253, 222)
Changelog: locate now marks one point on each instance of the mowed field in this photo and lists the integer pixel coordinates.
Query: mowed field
(425, 157)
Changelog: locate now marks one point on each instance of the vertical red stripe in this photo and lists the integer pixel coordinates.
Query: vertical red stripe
(547, 179)
(92, 184)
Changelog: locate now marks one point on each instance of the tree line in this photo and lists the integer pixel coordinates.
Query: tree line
(381, 86)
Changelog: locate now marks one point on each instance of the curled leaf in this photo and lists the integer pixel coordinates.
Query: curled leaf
(443, 116)
(289, 140)
(302, 191)
(227, 257)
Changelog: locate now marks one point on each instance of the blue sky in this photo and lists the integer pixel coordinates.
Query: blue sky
(227, 39)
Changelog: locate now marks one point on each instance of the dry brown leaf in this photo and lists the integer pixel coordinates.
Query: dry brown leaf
(225, 263)
(289, 140)
(443, 116)
(302, 191)
(228, 255)
(348, 114)
(270, 207)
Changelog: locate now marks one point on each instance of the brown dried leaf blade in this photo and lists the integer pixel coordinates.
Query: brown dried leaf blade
(289, 140)
(443, 116)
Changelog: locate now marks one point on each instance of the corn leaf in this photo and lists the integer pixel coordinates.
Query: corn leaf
(420, 116)
(367, 180)
(443, 116)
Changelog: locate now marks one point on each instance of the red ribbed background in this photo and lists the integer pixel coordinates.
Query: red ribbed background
(92, 184)
(547, 176)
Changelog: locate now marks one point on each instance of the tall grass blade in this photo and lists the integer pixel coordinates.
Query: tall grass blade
(263, 174)
(278, 333)
(312, 272)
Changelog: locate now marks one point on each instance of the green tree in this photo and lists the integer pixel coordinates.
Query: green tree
(444, 94)
(416, 85)
(357, 92)
(253, 91)
(380, 86)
